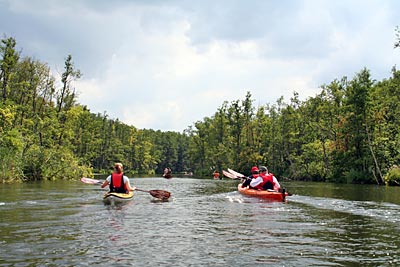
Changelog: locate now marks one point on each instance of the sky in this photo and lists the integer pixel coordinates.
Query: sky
(165, 64)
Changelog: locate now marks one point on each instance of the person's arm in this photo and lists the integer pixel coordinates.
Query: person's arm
(255, 182)
(106, 182)
(277, 186)
(128, 184)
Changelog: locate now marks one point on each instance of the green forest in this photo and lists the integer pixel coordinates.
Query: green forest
(348, 133)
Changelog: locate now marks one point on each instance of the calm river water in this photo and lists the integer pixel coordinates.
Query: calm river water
(205, 223)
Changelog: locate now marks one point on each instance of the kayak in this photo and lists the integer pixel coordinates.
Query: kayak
(117, 198)
(266, 194)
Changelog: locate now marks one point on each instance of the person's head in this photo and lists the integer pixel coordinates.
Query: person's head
(118, 167)
(254, 170)
(263, 169)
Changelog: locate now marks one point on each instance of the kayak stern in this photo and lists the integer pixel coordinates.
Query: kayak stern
(117, 198)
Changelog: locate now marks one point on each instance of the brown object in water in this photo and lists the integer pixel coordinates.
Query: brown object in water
(161, 194)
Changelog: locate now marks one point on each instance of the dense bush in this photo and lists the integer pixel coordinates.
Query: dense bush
(393, 176)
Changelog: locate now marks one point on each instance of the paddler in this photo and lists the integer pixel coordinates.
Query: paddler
(118, 182)
(254, 174)
(266, 181)
(216, 175)
(167, 173)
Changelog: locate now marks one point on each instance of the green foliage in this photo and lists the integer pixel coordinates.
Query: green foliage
(357, 177)
(62, 164)
(8, 61)
(347, 133)
(11, 145)
(393, 176)
(309, 164)
(7, 115)
(52, 164)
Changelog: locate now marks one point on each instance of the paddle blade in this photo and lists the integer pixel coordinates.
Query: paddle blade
(237, 174)
(161, 194)
(229, 175)
(90, 181)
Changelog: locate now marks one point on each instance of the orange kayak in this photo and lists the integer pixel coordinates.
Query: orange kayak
(273, 195)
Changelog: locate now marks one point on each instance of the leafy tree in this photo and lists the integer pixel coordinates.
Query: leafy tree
(348, 132)
(8, 61)
(66, 96)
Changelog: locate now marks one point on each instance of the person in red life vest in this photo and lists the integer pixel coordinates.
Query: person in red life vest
(254, 175)
(265, 181)
(216, 175)
(275, 184)
(167, 173)
(118, 182)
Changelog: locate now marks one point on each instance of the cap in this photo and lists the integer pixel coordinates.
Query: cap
(263, 169)
(254, 169)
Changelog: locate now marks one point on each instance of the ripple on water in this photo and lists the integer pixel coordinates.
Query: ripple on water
(204, 224)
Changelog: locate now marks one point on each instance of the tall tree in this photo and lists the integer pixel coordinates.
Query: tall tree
(356, 106)
(8, 60)
(66, 96)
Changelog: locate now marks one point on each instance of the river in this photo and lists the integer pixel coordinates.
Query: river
(205, 223)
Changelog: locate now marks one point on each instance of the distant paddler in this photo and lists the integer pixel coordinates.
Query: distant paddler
(167, 173)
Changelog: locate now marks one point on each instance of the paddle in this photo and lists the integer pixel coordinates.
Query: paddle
(90, 181)
(237, 174)
(162, 194)
(229, 175)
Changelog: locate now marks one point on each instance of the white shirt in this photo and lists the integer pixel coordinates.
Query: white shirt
(257, 181)
(277, 186)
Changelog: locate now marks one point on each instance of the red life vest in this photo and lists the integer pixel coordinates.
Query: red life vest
(117, 183)
(266, 178)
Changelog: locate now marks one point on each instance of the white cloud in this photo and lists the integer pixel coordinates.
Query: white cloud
(166, 64)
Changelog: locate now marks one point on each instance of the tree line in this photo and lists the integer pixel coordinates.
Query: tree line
(348, 132)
